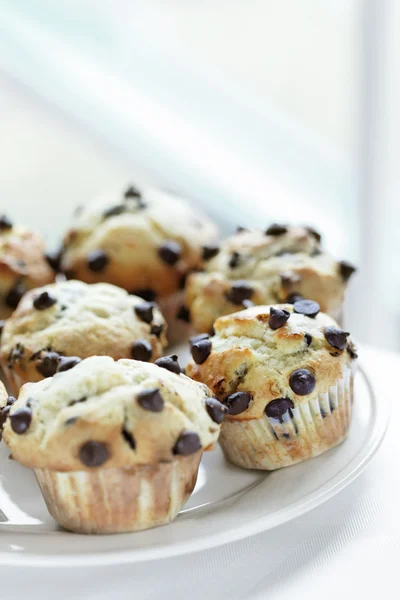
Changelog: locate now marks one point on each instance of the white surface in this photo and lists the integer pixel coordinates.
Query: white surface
(228, 503)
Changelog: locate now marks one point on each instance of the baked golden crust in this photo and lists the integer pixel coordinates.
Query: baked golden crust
(22, 266)
(274, 266)
(85, 320)
(248, 356)
(98, 401)
(131, 232)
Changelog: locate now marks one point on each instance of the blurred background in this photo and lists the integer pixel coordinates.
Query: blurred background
(258, 110)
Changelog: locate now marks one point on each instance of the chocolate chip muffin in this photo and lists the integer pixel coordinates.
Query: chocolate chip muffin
(55, 326)
(285, 374)
(115, 445)
(22, 264)
(143, 240)
(280, 264)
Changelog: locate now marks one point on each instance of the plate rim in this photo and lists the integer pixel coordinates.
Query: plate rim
(380, 415)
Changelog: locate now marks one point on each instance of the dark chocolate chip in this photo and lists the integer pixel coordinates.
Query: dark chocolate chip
(240, 291)
(183, 314)
(44, 301)
(170, 363)
(97, 261)
(20, 419)
(294, 297)
(2, 323)
(142, 350)
(54, 259)
(276, 229)
(302, 382)
(210, 251)
(277, 408)
(93, 454)
(48, 364)
(238, 402)
(187, 443)
(277, 317)
(128, 437)
(346, 270)
(132, 192)
(5, 223)
(216, 410)
(11, 400)
(286, 436)
(198, 338)
(147, 294)
(14, 295)
(309, 308)
(308, 339)
(66, 363)
(201, 351)
(352, 350)
(145, 311)
(337, 338)
(170, 252)
(151, 399)
(113, 211)
(156, 330)
(234, 260)
(314, 233)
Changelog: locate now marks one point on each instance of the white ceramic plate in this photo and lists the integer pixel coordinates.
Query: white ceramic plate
(228, 503)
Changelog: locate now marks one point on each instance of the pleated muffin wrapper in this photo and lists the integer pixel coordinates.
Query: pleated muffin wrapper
(103, 501)
(303, 432)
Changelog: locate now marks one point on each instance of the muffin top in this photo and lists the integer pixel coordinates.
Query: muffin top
(266, 267)
(144, 240)
(22, 264)
(111, 414)
(287, 353)
(75, 319)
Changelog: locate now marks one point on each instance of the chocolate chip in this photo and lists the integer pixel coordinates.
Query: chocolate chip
(151, 400)
(234, 260)
(302, 382)
(294, 297)
(201, 351)
(2, 323)
(54, 259)
(20, 419)
(183, 314)
(11, 400)
(156, 330)
(93, 454)
(5, 223)
(44, 301)
(308, 339)
(147, 294)
(216, 410)
(352, 350)
(142, 350)
(128, 437)
(97, 260)
(70, 421)
(238, 402)
(314, 233)
(240, 229)
(79, 401)
(337, 338)
(145, 311)
(15, 354)
(277, 317)
(170, 252)
(309, 308)
(170, 363)
(197, 338)
(277, 408)
(240, 291)
(48, 364)
(113, 211)
(132, 192)
(15, 294)
(276, 229)
(210, 251)
(66, 363)
(346, 270)
(187, 443)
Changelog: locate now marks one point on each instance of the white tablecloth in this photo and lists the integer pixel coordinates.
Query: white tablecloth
(346, 548)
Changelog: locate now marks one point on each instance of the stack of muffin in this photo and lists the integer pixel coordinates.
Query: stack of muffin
(111, 425)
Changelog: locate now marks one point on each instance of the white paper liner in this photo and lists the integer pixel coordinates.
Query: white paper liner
(119, 500)
(313, 428)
